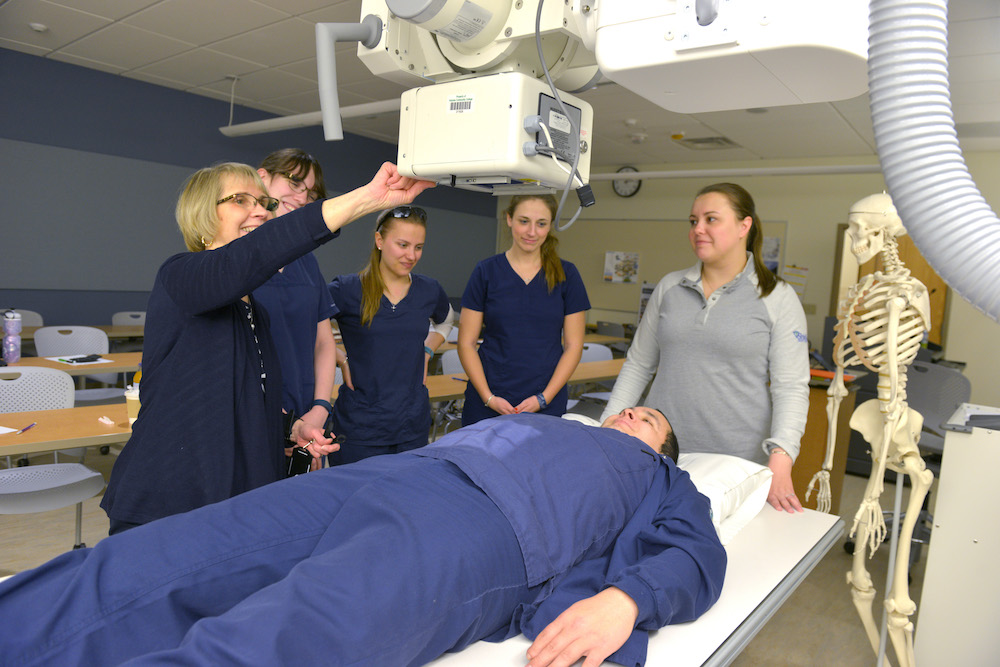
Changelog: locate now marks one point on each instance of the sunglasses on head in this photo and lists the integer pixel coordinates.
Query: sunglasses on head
(401, 212)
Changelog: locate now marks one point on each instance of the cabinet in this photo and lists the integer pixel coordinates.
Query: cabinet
(960, 598)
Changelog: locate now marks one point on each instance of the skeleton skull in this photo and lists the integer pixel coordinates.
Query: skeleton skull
(870, 222)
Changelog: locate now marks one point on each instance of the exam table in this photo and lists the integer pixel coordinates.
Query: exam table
(758, 581)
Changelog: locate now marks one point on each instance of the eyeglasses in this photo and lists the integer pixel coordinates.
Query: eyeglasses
(295, 183)
(250, 202)
(401, 212)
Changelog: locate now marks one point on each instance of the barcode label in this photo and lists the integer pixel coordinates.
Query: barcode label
(460, 103)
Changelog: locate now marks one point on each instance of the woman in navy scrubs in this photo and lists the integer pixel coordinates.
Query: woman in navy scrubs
(296, 298)
(383, 313)
(533, 306)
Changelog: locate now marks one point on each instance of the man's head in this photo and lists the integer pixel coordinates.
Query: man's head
(649, 425)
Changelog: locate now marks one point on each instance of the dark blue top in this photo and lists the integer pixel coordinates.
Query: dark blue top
(296, 300)
(591, 508)
(522, 332)
(389, 403)
(206, 430)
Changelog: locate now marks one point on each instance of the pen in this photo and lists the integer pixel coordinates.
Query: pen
(459, 379)
(25, 428)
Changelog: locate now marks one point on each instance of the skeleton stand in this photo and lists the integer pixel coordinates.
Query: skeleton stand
(880, 325)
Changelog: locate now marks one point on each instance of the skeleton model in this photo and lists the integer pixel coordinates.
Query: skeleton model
(880, 325)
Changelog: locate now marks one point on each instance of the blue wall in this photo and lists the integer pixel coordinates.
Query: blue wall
(92, 165)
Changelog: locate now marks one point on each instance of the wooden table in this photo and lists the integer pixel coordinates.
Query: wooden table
(64, 429)
(79, 427)
(114, 331)
(452, 386)
(121, 362)
(587, 338)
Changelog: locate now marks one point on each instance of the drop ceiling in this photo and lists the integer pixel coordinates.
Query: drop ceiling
(198, 46)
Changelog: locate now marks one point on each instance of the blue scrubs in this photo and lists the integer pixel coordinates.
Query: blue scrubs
(522, 332)
(389, 405)
(373, 566)
(296, 300)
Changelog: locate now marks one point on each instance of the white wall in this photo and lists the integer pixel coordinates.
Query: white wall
(653, 223)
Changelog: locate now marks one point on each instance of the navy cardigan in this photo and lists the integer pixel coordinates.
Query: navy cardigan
(206, 431)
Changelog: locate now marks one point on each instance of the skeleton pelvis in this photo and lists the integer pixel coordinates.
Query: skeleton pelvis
(869, 421)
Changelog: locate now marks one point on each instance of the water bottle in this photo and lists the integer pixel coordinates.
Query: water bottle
(11, 337)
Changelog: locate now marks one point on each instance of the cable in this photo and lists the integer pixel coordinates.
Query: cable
(556, 155)
(562, 107)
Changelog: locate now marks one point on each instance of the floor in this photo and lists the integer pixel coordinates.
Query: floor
(817, 625)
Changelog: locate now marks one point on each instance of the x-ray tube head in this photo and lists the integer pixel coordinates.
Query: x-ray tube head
(472, 133)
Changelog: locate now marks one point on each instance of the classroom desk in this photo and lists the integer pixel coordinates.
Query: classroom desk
(121, 362)
(114, 331)
(447, 387)
(64, 429)
(79, 427)
(587, 338)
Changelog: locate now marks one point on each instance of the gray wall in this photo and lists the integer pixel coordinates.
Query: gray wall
(92, 164)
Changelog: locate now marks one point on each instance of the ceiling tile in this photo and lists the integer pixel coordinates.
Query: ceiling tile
(109, 9)
(126, 47)
(65, 25)
(348, 11)
(305, 69)
(199, 67)
(304, 102)
(23, 48)
(199, 22)
(266, 85)
(297, 37)
(62, 56)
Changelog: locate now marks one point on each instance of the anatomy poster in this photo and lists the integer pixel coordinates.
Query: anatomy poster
(621, 267)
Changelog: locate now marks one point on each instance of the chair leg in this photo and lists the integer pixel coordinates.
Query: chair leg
(79, 528)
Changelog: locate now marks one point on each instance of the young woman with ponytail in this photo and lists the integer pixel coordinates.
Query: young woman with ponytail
(383, 313)
(726, 342)
(533, 306)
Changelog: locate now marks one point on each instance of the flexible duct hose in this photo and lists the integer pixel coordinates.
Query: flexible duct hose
(940, 205)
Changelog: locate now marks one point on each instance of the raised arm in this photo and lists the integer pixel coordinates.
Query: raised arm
(387, 189)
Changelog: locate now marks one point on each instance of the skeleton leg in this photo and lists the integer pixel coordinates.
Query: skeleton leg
(898, 603)
(868, 529)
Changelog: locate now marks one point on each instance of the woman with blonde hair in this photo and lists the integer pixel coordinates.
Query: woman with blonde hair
(384, 313)
(530, 306)
(210, 423)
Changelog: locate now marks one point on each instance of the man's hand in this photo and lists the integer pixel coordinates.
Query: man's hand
(595, 627)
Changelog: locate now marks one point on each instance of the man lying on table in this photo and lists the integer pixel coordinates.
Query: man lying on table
(584, 538)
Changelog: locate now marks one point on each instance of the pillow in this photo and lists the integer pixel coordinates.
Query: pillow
(736, 488)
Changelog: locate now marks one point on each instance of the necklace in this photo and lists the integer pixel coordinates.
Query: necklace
(388, 294)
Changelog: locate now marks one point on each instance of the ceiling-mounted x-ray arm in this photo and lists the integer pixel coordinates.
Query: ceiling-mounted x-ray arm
(368, 32)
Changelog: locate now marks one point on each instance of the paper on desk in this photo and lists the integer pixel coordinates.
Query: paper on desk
(82, 363)
(4, 429)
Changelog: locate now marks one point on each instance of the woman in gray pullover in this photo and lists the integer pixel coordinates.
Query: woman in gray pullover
(726, 342)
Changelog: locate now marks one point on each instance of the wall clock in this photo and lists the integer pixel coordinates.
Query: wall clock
(626, 187)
